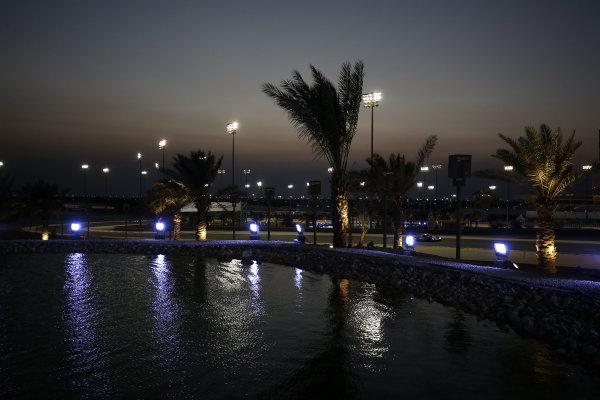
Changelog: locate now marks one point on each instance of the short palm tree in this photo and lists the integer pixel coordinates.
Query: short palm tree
(169, 195)
(42, 200)
(326, 117)
(542, 162)
(196, 174)
(402, 177)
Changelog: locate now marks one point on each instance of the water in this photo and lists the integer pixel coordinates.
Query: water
(135, 326)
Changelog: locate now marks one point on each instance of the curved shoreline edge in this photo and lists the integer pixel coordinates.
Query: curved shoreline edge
(564, 313)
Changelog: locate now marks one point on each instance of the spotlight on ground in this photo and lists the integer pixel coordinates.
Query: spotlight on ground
(254, 231)
(160, 230)
(501, 251)
(409, 242)
(75, 228)
(300, 238)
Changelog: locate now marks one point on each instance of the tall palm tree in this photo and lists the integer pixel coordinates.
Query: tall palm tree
(402, 177)
(196, 174)
(42, 200)
(326, 117)
(169, 195)
(542, 162)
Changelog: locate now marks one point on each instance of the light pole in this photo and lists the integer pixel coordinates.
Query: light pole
(84, 168)
(246, 173)
(371, 100)
(508, 169)
(587, 168)
(139, 157)
(144, 173)
(105, 170)
(291, 188)
(161, 146)
(436, 168)
(232, 130)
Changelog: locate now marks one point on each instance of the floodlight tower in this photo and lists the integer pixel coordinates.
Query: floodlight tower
(371, 100)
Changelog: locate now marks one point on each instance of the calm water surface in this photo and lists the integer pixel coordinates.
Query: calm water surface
(136, 326)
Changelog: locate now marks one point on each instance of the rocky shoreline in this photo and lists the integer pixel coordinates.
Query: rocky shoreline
(564, 314)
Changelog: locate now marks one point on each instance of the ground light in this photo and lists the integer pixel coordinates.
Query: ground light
(75, 228)
(160, 230)
(300, 238)
(409, 242)
(254, 231)
(501, 251)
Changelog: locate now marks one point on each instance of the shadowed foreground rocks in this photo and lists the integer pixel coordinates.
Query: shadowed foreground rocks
(563, 313)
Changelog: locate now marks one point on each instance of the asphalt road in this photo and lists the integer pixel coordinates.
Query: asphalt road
(571, 252)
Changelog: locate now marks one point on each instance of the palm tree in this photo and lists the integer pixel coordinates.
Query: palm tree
(169, 195)
(41, 200)
(542, 162)
(326, 117)
(402, 175)
(196, 174)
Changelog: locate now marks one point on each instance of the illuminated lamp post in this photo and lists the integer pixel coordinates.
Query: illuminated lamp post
(587, 168)
(139, 157)
(161, 146)
(291, 188)
(508, 169)
(144, 173)
(246, 173)
(84, 168)
(436, 168)
(105, 171)
(232, 130)
(371, 100)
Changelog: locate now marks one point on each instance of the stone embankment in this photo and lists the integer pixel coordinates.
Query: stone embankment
(565, 314)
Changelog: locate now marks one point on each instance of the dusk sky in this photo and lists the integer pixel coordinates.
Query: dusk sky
(99, 81)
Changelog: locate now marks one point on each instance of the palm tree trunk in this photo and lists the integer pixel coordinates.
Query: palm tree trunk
(398, 225)
(201, 229)
(546, 250)
(45, 230)
(177, 226)
(339, 217)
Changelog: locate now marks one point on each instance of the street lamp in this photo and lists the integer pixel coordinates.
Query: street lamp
(232, 130)
(161, 146)
(419, 186)
(436, 168)
(246, 173)
(139, 157)
(508, 169)
(1, 164)
(84, 168)
(587, 168)
(105, 170)
(143, 174)
(371, 100)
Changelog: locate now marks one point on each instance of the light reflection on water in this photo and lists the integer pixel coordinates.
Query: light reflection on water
(166, 310)
(160, 326)
(82, 319)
